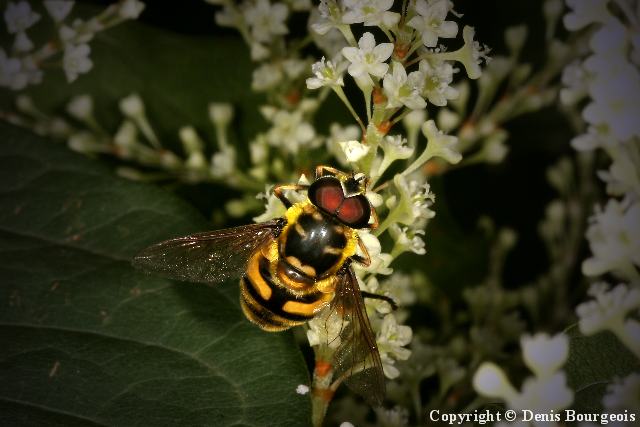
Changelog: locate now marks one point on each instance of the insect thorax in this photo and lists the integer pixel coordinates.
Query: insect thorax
(314, 243)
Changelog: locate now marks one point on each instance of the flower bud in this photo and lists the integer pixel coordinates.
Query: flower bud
(132, 106)
(81, 107)
(220, 113)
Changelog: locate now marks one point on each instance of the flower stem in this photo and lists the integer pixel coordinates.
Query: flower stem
(338, 90)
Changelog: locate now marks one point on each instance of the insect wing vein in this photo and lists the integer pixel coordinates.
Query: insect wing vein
(357, 358)
(209, 257)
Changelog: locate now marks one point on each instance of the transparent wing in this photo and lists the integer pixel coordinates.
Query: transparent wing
(209, 257)
(357, 358)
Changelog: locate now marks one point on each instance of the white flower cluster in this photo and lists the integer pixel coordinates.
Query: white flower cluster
(24, 63)
(136, 142)
(611, 309)
(543, 392)
(607, 81)
(398, 77)
(609, 78)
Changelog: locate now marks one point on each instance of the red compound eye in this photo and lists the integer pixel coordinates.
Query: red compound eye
(355, 211)
(329, 197)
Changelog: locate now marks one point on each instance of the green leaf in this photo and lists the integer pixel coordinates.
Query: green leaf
(87, 340)
(594, 362)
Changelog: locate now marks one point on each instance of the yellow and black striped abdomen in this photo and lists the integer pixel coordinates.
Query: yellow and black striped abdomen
(267, 302)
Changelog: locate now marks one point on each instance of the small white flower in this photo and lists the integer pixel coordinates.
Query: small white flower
(401, 287)
(259, 51)
(439, 144)
(294, 68)
(354, 150)
(447, 119)
(266, 77)
(19, 17)
(190, 140)
(392, 339)
(596, 136)
(258, 150)
(614, 239)
(515, 37)
(302, 389)
(614, 102)
(543, 395)
(622, 176)
(373, 286)
(325, 328)
(370, 12)
(437, 75)
(132, 106)
(266, 20)
(326, 74)
(290, 131)
(472, 53)
(228, 16)
(585, 12)
(612, 42)
(332, 41)
(401, 89)
(130, 9)
(10, 72)
(220, 113)
(394, 147)
(368, 59)
(491, 381)
(330, 17)
(81, 107)
(494, 149)
(407, 240)
(337, 134)
(126, 136)
(396, 417)
(543, 354)
(609, 308)
(84, 142)
(414, 120)
(223, 163)
(22, 43)
(59, 128)
(300, 5)
(25, 104)
(58, 9)
(414, 202)
(624, 393)
(574, 79)
(273, 206)
(76, 61)
(430, 21)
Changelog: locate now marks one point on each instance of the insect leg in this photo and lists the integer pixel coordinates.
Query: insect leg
(375, 222)
(365, 259)
(279, 190)
(385, 298)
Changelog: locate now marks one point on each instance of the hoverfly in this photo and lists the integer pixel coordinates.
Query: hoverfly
(292, 268)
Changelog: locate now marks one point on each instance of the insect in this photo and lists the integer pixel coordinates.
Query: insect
(292, 268)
